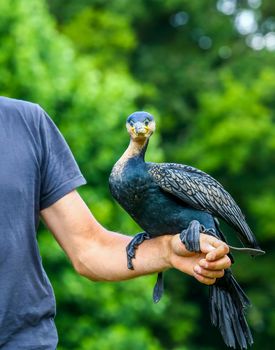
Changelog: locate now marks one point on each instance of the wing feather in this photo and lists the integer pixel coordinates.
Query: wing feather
(203, 192)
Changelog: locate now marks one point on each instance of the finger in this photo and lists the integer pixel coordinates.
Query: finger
(204, 280)
(209, 243)
(218, 252)
(215, 242)
(220, 264)
(208, 273)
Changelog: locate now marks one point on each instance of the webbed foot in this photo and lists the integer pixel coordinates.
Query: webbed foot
(132, 247)
(191, 236)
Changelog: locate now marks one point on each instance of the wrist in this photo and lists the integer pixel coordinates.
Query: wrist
(167, 251)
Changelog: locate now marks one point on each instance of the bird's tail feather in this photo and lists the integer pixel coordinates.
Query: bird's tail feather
(227, 305)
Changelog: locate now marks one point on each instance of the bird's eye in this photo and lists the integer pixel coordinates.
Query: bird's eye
(146, 122)
(131, 122)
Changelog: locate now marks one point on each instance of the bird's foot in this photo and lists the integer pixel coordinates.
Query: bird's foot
(159, 288)
(191, 236)
(132, 247)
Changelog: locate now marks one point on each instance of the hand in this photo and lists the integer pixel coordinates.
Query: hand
(206, 266)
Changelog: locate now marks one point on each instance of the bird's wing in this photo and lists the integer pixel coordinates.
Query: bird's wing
(201, 191)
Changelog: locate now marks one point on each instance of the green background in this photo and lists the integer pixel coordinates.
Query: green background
(206, 71)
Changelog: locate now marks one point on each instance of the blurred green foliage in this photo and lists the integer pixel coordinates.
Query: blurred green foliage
(90, 63)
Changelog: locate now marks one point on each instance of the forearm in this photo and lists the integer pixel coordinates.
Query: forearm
(103, 258)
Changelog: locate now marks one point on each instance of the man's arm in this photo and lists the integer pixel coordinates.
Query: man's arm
(100, 255)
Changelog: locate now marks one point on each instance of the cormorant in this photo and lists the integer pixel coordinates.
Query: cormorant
(175, 198)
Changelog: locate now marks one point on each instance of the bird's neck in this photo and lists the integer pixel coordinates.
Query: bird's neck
(136, 149)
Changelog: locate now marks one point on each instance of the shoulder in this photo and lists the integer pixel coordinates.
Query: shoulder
(9, 104)
(22, 114)
(20, 109)
(25, 118)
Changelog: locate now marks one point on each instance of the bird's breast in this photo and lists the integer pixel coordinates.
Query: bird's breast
(129, 185)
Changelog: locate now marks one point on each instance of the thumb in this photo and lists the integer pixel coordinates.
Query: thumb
(209, 243)
(213, 248)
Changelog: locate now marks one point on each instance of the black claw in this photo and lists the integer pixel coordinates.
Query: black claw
(210, 231)
(130, 264)
(191, 236)
(133, 245)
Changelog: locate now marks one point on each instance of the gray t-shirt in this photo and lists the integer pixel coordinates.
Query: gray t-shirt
(36, 169)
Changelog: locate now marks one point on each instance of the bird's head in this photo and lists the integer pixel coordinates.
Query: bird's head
(140, 125)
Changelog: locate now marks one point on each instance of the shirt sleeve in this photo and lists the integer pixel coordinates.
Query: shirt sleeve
(59, 171)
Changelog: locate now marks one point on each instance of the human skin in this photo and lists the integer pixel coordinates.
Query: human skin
(100, 255)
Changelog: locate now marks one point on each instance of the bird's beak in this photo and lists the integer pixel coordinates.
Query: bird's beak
(139, 128)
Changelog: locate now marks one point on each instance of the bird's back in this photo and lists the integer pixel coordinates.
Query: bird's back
(201, 191)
